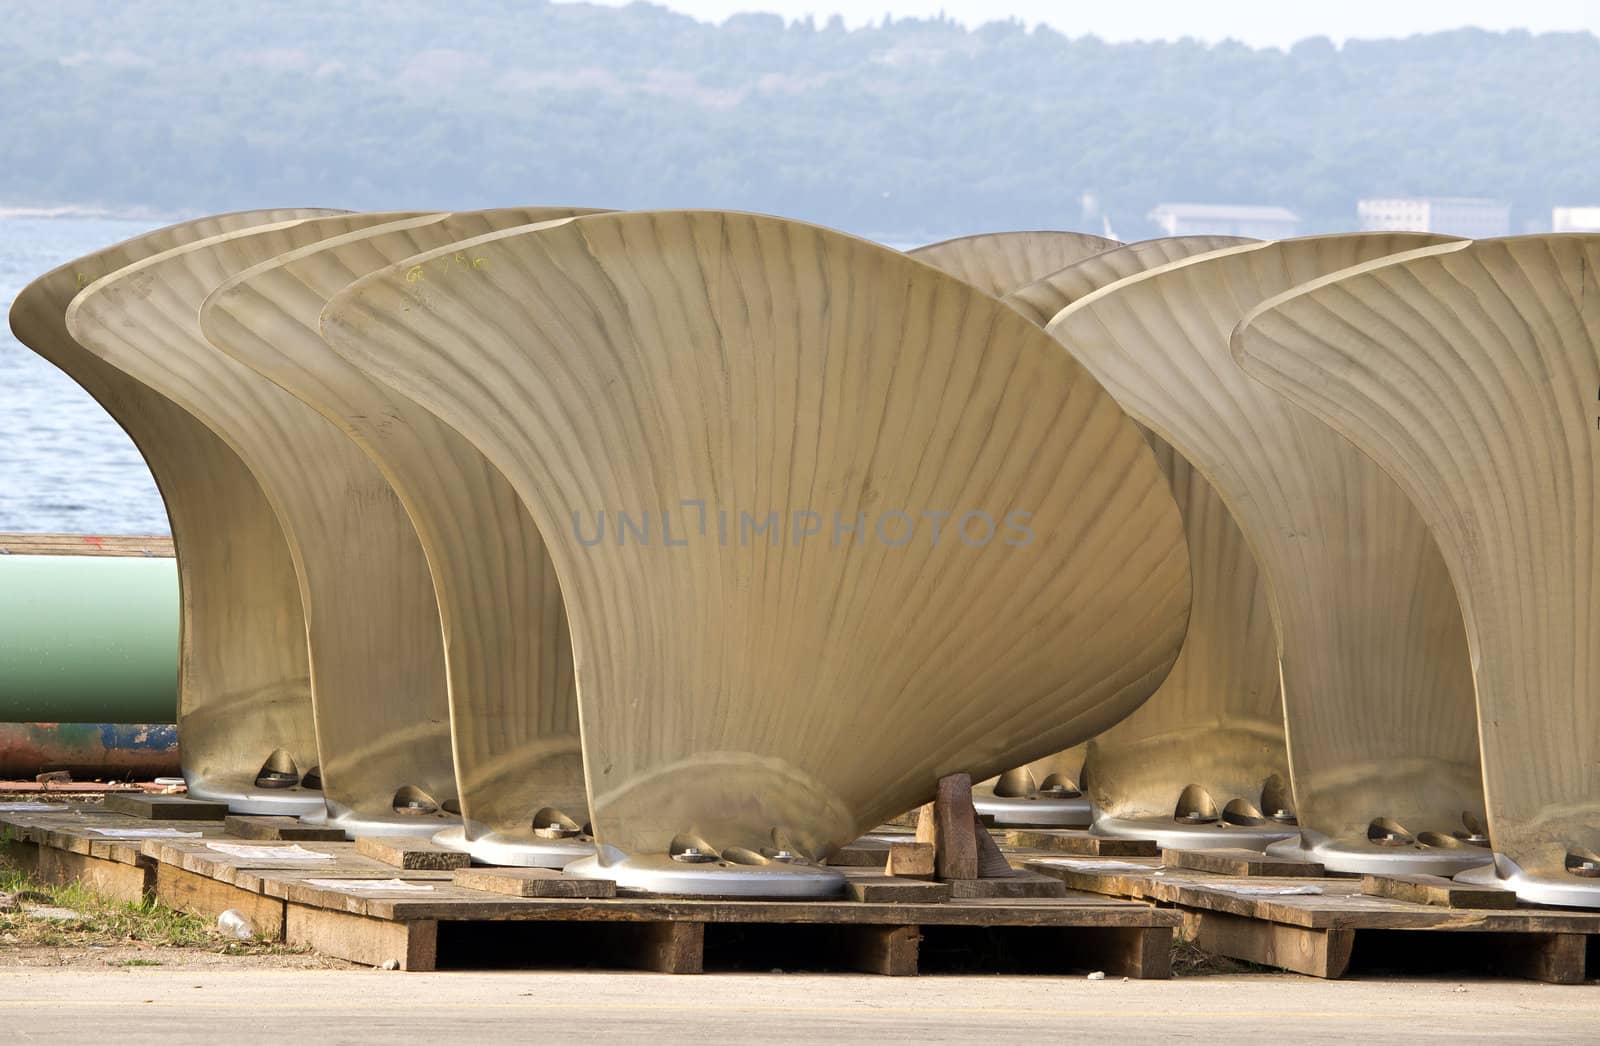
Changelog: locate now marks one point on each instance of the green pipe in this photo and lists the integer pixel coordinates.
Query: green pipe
(88, 639)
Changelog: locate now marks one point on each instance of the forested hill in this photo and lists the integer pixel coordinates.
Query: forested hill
(903, 129)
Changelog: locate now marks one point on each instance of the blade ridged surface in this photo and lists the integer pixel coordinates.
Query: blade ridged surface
(1217, 720)
(513, 706)
(1040, 299)
(1376, 683)
(997, 263)
(1471, 373)
(243, 680)
(639, 362)
(377, 661)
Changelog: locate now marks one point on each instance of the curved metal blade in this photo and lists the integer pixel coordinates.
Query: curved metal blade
(754, 682)
(1203, 762)
(1376, 683)
(997, 263)
(1041, 298)
(243, 678)
(1470, 371)
(513, 707)
(377, 662)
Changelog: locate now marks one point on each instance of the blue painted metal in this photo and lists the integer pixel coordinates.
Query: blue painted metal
(89, 750)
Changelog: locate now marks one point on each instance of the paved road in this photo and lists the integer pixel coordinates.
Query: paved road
(173, 1007)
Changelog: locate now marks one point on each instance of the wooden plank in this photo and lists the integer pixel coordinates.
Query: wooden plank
(443, 899)
(1111, 881)
(166, 807)
(1338, 903)
(281, 883)
(912, 860)
(123, 851)
(1436, 890)
(949, 823)
(992, 864)
(195, 856)
(1021, 884)
(891, 951)
(410, 852)
(255, 826)
(1080, 843)
(22, 855)
(84, 545)
(410, 945)
(72, 788)
(1070, 911)
(858, 856)
(532, 882)
(112, 880)
(1554, 958)
(673, 947)
(1316, 953)
(1140, 953)
(208, 898)
(888, 889)
(1238, 862)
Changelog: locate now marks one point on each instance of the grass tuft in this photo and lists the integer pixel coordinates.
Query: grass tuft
(105, 923)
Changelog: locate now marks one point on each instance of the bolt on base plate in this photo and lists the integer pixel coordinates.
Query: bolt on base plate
(660, 874)
(1172, 834)
(497, 848)
(1570, 891)
(1364, 857)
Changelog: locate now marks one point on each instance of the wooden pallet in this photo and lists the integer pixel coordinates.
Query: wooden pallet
(355, 906)
(1319, 926)
(57, 847)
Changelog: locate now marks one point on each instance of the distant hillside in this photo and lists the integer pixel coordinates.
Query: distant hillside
(915, 128)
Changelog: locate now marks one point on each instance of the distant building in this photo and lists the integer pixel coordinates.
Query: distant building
(1575, 219)
(1225, 219)
(1474, 218)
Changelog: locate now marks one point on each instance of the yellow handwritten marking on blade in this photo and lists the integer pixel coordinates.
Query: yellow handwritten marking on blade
(414, 274)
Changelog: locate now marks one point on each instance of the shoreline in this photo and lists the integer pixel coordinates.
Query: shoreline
(95, 211)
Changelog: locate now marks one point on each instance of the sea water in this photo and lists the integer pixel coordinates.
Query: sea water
(65, 466)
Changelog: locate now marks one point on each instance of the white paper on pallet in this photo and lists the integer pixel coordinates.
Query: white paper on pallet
(246, 852)
(383, 885)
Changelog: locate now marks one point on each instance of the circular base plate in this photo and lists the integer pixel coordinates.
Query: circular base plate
(1039, 812)
(1362, 857)
(354, 825)
(880, 839)
(285, 802)
(1173, 835)
(514, 851)
(663, 875)
(886, 835)
(1569, 892)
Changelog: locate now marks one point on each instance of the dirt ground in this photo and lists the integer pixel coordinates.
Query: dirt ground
(103, 957)
(145, 1006)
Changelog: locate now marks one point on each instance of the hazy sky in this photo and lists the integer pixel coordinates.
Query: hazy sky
(1257, 22)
